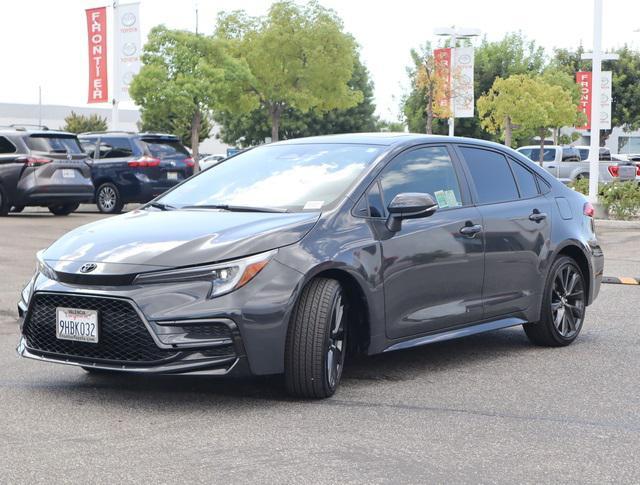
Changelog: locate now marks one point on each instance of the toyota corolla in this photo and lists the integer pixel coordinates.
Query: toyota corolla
(286, 257)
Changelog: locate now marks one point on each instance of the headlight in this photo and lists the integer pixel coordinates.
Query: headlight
(44, 269)
(224, 277)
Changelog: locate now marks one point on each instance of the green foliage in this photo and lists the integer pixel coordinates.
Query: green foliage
(569, 139)
(620, 199)
(299, 58)
(183, 78)
(252, 129)
(75, 123)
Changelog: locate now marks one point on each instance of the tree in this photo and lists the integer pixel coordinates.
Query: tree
(184, 77)
(299, 58)
(527, 105)
(254, 128)
(76, 123)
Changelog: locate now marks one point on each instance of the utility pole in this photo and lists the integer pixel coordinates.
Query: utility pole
(114, 106)
(596, 80)
(454, 34)
(39, 105)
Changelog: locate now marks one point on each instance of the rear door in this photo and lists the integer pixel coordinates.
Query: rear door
(112, 163)
(570, 165)
(432, 272)
(517, 228)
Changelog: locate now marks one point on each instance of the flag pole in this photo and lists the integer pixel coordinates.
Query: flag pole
(114, 102)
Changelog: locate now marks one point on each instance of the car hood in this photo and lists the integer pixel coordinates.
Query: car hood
(143, 240)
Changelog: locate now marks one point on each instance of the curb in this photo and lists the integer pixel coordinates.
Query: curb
(623, 280)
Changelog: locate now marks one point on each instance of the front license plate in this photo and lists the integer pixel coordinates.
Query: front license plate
(172, 175)
(68, 173)
(77, 324)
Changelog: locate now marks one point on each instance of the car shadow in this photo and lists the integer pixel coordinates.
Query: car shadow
(196, 391)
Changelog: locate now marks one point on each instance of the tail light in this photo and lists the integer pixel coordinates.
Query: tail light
(613, 170)
(189, 162)
(145, 161)
(34, 161)
(638, 170)
(587, 209)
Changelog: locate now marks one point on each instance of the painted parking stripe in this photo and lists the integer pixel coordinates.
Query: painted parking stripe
(622, 280)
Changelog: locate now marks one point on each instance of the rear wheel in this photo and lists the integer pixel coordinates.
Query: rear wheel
(563, 306)
(108, 199)
(317, 340)
(63, 209)
(17, 208)
(4, 203)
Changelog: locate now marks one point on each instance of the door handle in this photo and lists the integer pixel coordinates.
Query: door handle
(537, 216)
(471, 230)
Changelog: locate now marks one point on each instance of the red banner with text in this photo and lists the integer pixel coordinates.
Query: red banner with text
(97, 36)
(583, 79)
(443, 73)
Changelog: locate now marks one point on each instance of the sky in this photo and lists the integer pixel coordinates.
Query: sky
(44, 42)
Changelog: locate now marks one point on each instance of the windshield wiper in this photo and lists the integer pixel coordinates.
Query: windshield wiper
(235, 208)
(161, 206)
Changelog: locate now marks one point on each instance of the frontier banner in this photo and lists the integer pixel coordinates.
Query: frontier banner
(127, 48)
(97, 37)
(455, 68)
(584, 81)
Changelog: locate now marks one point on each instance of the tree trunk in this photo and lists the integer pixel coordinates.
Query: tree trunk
(430, 102)
(543, 132)
(275, 110)
(507, 130)
(196, 123)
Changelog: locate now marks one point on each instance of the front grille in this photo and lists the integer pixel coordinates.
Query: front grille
(123, 337)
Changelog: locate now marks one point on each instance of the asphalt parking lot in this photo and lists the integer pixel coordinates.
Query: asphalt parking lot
(485, 409)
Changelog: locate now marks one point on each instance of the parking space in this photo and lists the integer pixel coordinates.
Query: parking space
(488, 408)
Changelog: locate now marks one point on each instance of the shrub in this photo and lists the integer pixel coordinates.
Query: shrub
(620, 199)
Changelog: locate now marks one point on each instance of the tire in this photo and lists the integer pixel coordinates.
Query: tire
(4, 203)
(581, 176)
(17, 209)
(317, 340)
(563, 306)
(63, 209)
(108, 199)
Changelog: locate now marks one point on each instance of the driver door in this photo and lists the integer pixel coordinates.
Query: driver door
(432, 272)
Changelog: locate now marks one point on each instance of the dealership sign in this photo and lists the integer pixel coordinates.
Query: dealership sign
(127, 48)
(584, 81)
(454, 67)
(97, 36)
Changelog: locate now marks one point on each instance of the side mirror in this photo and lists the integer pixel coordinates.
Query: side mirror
(409, 205)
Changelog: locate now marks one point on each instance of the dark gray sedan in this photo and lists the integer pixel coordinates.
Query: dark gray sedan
(284, 258)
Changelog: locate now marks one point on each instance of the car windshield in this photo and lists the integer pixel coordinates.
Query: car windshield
(549, 154)
(165, 148)
(291, 177)
(54, 144)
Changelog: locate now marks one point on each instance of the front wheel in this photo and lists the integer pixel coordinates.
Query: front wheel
(563, 306)
(317, 340)
(63, 209)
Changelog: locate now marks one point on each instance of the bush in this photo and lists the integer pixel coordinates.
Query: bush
(620, 199)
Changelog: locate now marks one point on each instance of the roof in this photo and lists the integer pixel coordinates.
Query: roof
(384, 139)
(19, 130)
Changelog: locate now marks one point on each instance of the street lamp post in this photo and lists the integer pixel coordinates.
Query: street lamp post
(454, 34)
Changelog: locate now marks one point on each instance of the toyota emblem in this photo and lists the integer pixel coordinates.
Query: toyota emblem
(88, 267)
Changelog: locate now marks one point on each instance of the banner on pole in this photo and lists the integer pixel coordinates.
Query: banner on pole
(97, 40)
(584, 80)
(462, 82)
(443, 73)
(127, 48)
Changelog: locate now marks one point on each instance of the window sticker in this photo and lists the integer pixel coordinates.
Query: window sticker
(441, 199)
(313, 205)
(452, 201)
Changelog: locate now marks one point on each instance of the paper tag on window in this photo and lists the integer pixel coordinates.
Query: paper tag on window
(441, 199)
(313, 205)
(452, 200)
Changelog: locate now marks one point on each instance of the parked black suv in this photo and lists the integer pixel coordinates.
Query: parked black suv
(134, 167)
(41, 167)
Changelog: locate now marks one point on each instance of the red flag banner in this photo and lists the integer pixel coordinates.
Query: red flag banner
(443, 72)
(97, 36)
(583, 78)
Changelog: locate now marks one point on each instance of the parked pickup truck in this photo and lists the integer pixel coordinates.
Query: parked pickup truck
(566, 164)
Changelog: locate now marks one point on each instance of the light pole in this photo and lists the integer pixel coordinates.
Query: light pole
(455, 33)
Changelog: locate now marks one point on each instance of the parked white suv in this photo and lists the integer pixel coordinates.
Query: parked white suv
(566, 163)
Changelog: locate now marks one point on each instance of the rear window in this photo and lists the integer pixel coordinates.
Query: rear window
(165, 148)
(6, 146)
(54, 143)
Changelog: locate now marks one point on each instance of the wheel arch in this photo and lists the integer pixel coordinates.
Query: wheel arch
(573, 250)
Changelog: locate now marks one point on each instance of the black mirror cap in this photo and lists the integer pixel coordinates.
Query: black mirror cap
(409, 205)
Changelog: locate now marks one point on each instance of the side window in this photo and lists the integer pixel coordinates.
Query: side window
(526, 180)
(570, 155)
(374, 201)
(491, 175)
(6, 146)
(427, 170)
(88, 146)
(115, 148)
